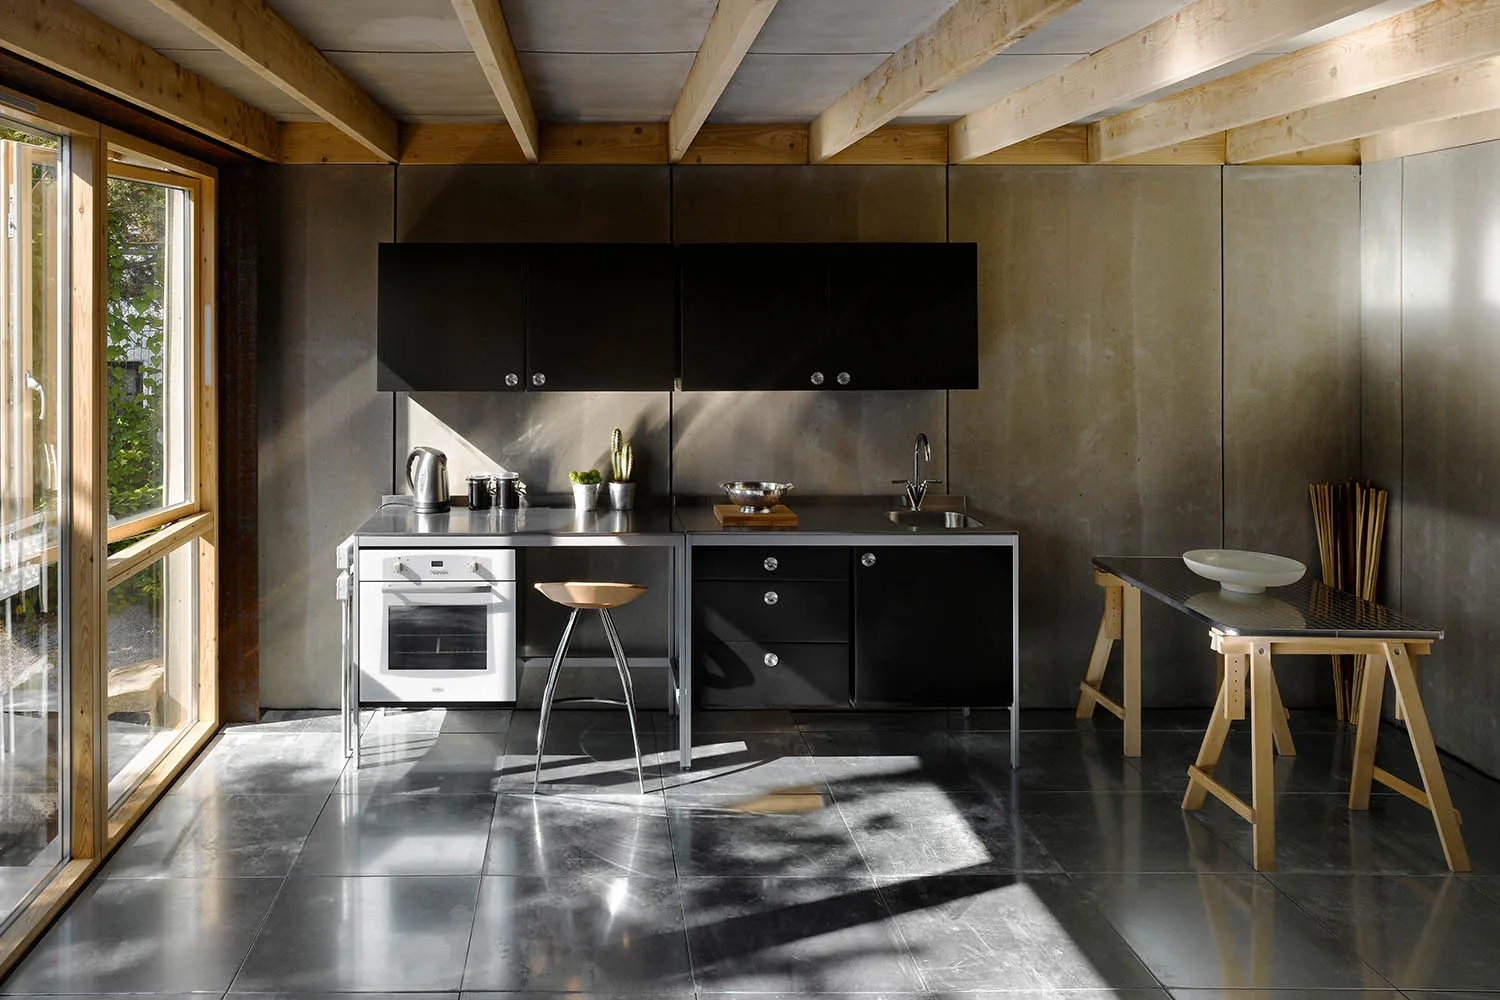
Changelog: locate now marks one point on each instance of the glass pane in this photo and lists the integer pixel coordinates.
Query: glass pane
(32, 463)
(150, 404)
(153, 665)
(438, 637)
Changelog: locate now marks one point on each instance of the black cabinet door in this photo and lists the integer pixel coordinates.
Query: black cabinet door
(933, 625)
(601, 316)
(452, 316)
(754, 315)
(905, 315)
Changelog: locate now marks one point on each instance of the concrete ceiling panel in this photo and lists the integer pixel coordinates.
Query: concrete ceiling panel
(225, 71)
(616, 26)
(1091, 25)
(1000, 76)
(145, 23)
(420, 86)
(605, 87)
(808, 26)
(790, 88)
(375, 25)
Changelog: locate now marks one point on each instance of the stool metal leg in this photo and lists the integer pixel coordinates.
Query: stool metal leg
(623, 666)
(548, 692)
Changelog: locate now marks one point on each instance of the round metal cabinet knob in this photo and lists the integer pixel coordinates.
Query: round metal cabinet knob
(843, 378)
(817, 378)
(771, 597)
(538, 379)
(770, 564)
(867, 560)
(512, 379)
(772, 659)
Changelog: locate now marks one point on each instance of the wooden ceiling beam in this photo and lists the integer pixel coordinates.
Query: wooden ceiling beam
(1467, 90)
(1200, 37)
(1431, 137)
(485, 25)
(1425, 40)
(263, 42)
(730, 34)
(961, 40)
(64, 37)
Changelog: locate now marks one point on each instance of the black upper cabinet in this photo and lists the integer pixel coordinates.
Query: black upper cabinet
(451, 316)
(754, 315)
(904, 315)
(601, 316)
(830, 315)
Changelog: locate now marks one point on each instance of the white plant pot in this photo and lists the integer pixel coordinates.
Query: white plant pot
(622, 495)
(585, 496)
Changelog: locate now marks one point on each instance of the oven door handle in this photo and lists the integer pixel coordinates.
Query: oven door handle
(435, 588)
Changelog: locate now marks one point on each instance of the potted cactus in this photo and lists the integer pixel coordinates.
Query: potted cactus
(622, 463)
(585, 489)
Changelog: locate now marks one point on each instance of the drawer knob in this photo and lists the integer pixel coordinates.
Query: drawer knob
(770, 564)
(867, 560)
(538, 379)
(817, 378)
(843, 378)
(772, 659)
(512, 379)
(771, 597)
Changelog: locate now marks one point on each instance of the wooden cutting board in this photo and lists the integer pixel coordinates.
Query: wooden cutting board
(730, 516)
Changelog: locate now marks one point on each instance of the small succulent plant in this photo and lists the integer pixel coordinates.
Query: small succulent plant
(621, 457)
(589, 477)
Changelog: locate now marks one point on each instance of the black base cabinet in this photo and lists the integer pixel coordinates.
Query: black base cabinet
(784, 626)
(933, 626)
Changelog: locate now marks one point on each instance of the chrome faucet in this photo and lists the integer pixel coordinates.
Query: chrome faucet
(916, 486)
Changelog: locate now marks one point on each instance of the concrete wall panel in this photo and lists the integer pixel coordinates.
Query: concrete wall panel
(1096, 425)
(325, 433)
(1450, 413)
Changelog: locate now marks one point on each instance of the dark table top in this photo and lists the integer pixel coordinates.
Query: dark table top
(1306, 609)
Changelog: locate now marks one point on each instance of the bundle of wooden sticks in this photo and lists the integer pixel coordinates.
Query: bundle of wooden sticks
(1350, 519)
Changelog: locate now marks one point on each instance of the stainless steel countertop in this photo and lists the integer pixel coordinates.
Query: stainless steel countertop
(833, 516)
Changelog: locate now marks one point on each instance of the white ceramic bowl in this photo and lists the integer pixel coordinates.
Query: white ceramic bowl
(1244, 572)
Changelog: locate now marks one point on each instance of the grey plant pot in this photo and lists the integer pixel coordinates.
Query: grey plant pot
(622, 495)
(585, 496)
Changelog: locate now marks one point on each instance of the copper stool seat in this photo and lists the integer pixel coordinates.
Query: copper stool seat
(589, 596)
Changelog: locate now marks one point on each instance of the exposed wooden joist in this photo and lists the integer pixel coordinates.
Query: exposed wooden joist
(1467, 90)
(1419, 42)
(730, 33)
(263, 42)
(1199, 37)
(961, 40)
(64, 37)
(485, 25)
(1465, 131)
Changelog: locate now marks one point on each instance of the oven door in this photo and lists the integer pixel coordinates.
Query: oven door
(437, 642)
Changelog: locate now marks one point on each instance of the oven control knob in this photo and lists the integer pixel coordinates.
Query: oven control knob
(473, 565)
(772, 659)
(771, 597)
(397, 566)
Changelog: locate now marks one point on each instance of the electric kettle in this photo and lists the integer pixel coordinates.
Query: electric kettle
(427, 475)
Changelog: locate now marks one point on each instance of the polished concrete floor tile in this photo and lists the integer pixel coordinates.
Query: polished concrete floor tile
(794, 835)
(916, 832)
(1051, 761)
(725, 720)
(429, 721)
(218, 835)
(363, 933)
(794, 935)
(578, 934)
(1224, 932)
(1033, 933)
(328, 721)
(894, 759)
(1435, 933)
(871, 722)
(600, 994)
(159, 935)
(745, 764)
(396, 834)
(565, 834)
(1371, 993)
(426, 763)
(250, 764)
(1125, 832)
(567, 728)
(581, 760)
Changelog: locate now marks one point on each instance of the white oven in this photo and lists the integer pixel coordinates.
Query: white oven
(437, 625)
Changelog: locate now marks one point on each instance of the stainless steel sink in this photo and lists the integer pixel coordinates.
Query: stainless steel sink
(919, 519)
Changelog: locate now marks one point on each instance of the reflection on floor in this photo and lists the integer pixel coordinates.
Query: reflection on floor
(896, 855)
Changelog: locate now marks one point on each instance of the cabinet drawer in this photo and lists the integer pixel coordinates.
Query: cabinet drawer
(770, 562)
(772, 675)
(778, 611)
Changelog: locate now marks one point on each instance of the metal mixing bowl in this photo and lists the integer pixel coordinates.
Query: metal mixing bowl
(754, 497)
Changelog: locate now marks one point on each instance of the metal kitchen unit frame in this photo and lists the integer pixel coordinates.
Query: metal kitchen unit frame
(764, 538)
(678, 653)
